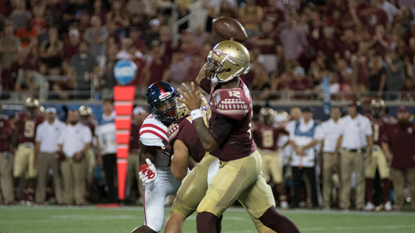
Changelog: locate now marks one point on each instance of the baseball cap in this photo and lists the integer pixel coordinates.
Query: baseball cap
(74, 33)
(308, 109)
(154, 22)
(138, 110)
(50, 110)
(298, 70)
(402, 109)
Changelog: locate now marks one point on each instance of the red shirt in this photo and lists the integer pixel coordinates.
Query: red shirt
(26, 36)
(268, 49)
(348, 88)
(274, 15)
(184, 131)
(401, 140)
(268, 136)
(27, 126)
(372, 18)
(379, 126)
(157, 68)
(328, 47)
(38, 25)
(134, 137)
(69, 50)
(5, 128)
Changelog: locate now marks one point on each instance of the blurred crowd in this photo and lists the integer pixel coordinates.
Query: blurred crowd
(360, 46)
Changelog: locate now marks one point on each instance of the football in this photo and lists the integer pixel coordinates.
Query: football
(228, 28)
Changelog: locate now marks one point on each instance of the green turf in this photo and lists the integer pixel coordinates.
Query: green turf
(52, 219)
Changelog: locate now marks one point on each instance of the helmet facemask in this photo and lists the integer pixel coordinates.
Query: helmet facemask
(377, 108)
(166, 110)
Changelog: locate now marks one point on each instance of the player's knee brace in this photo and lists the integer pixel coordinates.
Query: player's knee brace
(277, 222)
(143, 229)
(206, 222)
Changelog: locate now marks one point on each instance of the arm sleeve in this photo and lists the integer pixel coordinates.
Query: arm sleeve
(368, 128)
(61, 137)
(149, 139)
(220, 129)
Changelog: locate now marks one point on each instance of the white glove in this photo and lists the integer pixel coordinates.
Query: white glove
(147, 172)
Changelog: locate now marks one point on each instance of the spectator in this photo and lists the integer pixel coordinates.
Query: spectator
(356, 142)
(22, 60)
(73, 142)
(304, 136)
(250, 16)
(44, 34)
(158, 63)
(261, 83)
(142, 74)
(28, 35)
(84, 67)
(200, 36)
(97, 36)
(395, 74)
(124, 54)
(71, 46)
(120, 17)
(360, 67)
(108, 81)
(30, 82)
(74, 10)
(408, 90)
(105, 133)
(214, 8)
(188, 43)
(84, 22)
(226, 11)
(139, 115)
(38, 20)
(267, 43)
(153, 33)
(373, 16)
(140, 7)
(380, 42)
(347, 87)
(377, 75)
(100, 11)
(195, 66)
(47, 135)
(55, 10)
(178, 70)
(397, 145)
(389, 8)
(293, 39)
(20, 15)
(301, 83)
(331, 131)
(6, 160)
(9, 45)
(66, 83)
(274, 15)
(167, 42)
(349, 45)
(51, 52)
(137, 41)
(410, 52)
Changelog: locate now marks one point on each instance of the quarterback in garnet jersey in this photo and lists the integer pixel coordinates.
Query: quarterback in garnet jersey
(229, 138)
(380, 122)
(24, 143)
(268, 136)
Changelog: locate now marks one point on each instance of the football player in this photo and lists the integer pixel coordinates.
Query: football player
(380, 122)
(24, 145)
(229, 138)
(155, 172)
(188, 150)
(268, 142)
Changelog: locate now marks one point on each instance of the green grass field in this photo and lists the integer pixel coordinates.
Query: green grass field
(17, 219)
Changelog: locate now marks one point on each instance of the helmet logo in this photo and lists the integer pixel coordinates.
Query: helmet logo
(164, 95)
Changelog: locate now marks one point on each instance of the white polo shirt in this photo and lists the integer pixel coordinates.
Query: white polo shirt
(48, 134)
(354, 132)
(74, 138)
(331, 132)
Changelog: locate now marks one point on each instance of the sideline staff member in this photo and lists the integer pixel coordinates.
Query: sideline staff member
(356, 141)
(74, 141)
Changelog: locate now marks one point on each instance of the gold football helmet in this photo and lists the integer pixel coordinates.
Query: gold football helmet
(377, 107)
(227, 60)
(266, 116)
(32, 102)
(85, 111)
(42, 109)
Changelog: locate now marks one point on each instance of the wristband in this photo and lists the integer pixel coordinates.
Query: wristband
(197, 113)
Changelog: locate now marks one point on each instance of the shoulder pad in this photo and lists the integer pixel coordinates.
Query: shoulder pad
(153, 132)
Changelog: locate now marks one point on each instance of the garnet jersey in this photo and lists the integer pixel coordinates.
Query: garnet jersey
(5, 128)
(152, 133)
(379, 126)
(184, 131)
(91, 126)
(234, 104)
(268, 136)
(27, 126)
(135, 137)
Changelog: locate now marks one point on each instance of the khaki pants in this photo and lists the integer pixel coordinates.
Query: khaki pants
(90, 163)
(46, 161)
(132, 170)
(74, 175)
(328, 168)
(23, 160)
(6, 179)
(398, 179)
(378, 161)
(352, 162)
(271, 167)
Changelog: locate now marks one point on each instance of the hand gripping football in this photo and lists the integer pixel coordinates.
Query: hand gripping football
(228, 28)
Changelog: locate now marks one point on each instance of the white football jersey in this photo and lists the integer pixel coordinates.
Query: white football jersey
(152, 133)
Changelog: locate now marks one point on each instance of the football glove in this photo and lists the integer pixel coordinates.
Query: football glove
(147, 172)
(167, 149)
